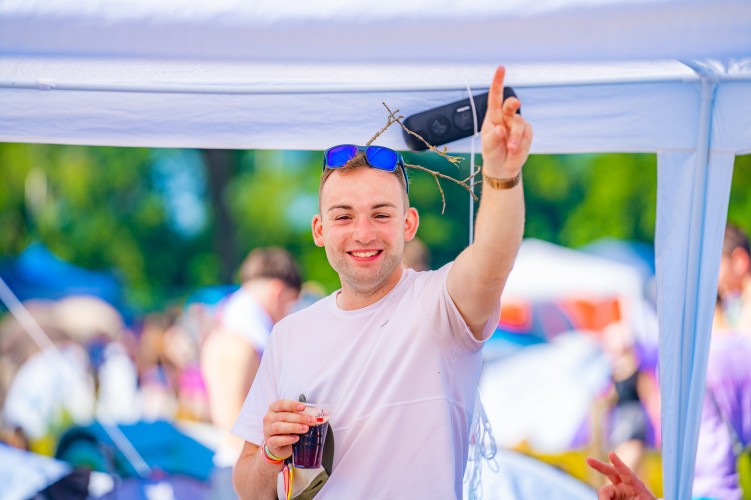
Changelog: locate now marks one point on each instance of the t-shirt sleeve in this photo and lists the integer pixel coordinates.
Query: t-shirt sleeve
(460, 331)
(263, 392)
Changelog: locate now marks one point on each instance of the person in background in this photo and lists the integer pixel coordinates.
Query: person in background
(725, 424)
(630, 389)
(725, 419)
(157, 372)
(416, 255)
(734, 284)
(231, 353)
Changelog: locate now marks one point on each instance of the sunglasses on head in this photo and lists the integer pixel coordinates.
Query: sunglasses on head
(377, 156)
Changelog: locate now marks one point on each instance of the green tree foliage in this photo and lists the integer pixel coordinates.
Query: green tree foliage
(576, 199)
(170, 221)
(739, 210)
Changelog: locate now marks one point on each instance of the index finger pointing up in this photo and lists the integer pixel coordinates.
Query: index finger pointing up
(495, 96)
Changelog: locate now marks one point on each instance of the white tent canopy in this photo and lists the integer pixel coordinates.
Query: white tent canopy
(672, 77)
(544, 271)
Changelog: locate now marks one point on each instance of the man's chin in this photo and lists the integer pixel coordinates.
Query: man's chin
(365, 283)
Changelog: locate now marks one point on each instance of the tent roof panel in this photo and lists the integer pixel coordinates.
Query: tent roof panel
(629, 117)
(322, 30)
(84, 72)
(158, 103)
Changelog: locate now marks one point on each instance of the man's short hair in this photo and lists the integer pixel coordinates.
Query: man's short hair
(356, 163)
(271, 263)
(735, 238)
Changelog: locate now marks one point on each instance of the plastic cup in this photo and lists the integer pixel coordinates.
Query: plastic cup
(307, 453)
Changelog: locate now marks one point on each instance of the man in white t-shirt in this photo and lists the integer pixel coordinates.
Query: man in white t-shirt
(394, 352)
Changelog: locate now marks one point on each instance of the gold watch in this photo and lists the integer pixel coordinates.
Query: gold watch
(496, 183)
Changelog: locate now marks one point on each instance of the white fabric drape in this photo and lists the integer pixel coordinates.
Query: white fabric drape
(691, 214)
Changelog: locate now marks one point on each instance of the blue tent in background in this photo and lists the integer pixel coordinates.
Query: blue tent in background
(161, 445)
(89, 466)
(38, 274)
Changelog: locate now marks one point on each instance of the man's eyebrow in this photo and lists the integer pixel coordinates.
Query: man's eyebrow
(340, 207)
(374, 207)
(384, 205)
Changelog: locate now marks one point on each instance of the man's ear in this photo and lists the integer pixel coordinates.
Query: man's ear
(317, 226)
(411, 223)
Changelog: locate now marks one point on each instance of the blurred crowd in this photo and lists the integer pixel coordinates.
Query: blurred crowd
(94, 364)
(75, 360)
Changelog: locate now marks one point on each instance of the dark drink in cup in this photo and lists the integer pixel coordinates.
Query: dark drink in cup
(307, 453)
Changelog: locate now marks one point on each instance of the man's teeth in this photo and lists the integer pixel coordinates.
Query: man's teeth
(365, 254)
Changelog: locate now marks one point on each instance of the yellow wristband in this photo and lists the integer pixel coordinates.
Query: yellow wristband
(496, 183)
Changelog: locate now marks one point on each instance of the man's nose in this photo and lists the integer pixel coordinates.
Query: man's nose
(364, 232)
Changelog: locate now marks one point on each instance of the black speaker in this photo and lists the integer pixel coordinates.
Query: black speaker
(449, 122)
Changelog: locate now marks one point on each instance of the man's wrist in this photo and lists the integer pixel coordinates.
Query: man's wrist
(268, 456)
(502, 183)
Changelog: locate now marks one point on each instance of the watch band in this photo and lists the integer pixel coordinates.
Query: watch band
(496, 183)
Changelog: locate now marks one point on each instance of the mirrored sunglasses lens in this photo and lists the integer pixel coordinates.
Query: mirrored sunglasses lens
(381, 158)
(339, 155)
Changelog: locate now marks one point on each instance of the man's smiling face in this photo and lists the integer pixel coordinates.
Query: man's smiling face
(363, 224)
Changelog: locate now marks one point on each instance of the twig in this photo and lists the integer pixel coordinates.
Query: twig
(391, 121)
(443, 196)
(454, 160)
(472, 175)
(437, 175)
(467, 183)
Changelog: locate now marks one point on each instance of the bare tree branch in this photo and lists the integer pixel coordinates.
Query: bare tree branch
(443, 196)
(467, 183)
(391, 121)
(454, 160)
(438, 175)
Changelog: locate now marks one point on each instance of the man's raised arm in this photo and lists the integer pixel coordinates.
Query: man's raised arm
(477, 278)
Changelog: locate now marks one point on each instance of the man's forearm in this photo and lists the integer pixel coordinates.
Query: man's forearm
(254, 477)
(498, 231)
(479, 274)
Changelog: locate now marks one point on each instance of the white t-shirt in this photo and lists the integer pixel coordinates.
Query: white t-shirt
(240, 314)
(244, 316)
(400, 376)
